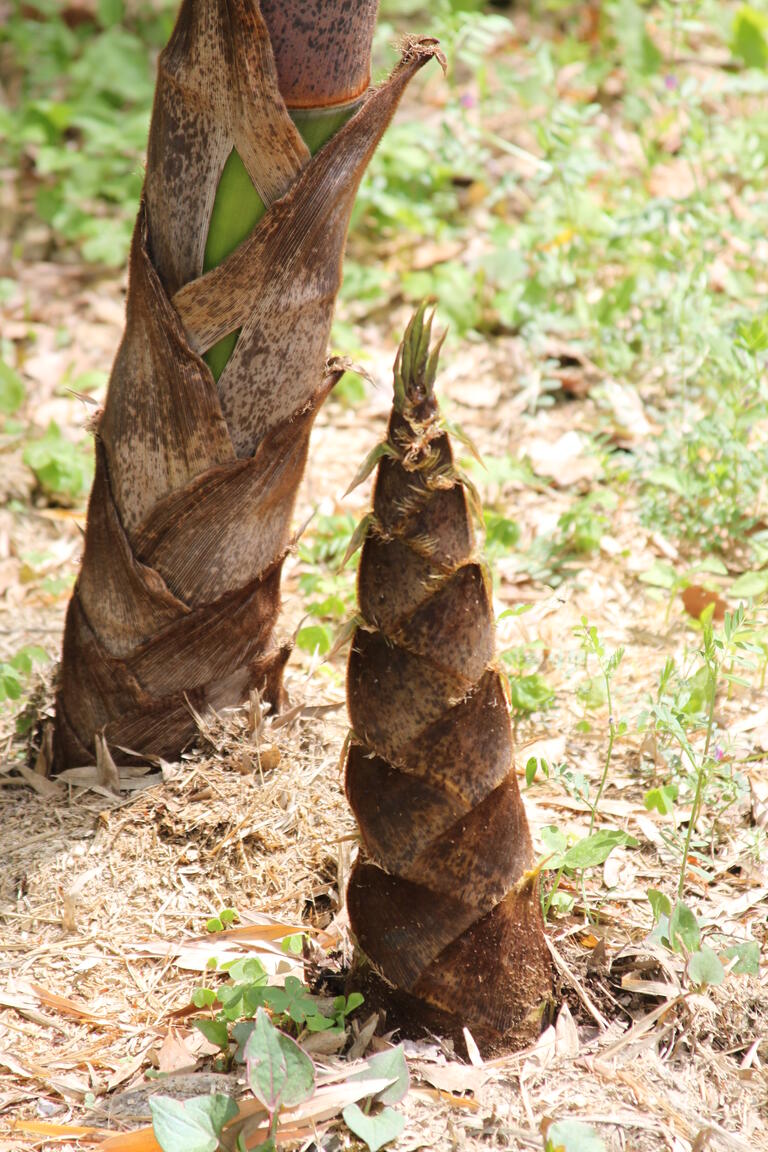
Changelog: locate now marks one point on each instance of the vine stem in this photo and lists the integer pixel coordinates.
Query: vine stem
(700, 775)
(608, 754)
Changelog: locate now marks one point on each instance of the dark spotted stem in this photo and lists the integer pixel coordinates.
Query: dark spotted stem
(322, 50)
(443, 900)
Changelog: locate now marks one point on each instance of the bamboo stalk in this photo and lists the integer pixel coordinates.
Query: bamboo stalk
(189, 521)
(442, 899)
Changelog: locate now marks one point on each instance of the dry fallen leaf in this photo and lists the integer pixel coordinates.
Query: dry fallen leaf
(673, 181)
(758, 788)
(541, 1055)
(567, 460)
(630, 423)
(173, 1054)
(696, 598)
(566, 1034)
(453, 1077)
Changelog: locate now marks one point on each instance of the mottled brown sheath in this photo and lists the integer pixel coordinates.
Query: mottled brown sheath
(175, 607)
(440, 900)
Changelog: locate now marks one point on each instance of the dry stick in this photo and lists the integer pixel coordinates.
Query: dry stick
(565, 970)
(176, 604)
(442, 900)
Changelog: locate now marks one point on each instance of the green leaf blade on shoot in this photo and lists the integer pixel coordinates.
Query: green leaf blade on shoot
(377, 453)
(191, 1125)
(358, 536)
(377, 1130)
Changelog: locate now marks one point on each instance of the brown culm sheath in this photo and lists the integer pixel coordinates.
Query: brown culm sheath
(189, 520)
(441, 899)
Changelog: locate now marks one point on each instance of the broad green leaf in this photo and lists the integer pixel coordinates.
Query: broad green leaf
(61, 467)
(531, 768)
(750, 36)
(390, 1065)
(10, 684)
(660, 575)
(318, 1023)
(748, 952)
(279, 1073)
(377, 1130)
(12, 390)
(684, 932)
(751, 585)
(561, 903)
(250, 969)
(518, 610)
(354, 1000)
(573, 1136)
(704, 967)
(661, 799)
(667, 477)
(660, 904)
(293, 945)
(314, 638)
(191, 1125)
(593, 693)
(640, 53)
(595, 849)
(203, 997)
(500, 533)
(529, 693)
(555, 843)
(240, 1033)
(754, 335)
(110, 12)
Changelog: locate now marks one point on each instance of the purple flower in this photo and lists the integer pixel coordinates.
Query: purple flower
(670, 82)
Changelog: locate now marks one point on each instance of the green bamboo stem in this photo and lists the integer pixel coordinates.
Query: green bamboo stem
(238, 207)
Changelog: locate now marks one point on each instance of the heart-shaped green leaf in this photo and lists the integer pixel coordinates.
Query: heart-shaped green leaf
(279, 1073)
(375, 1131)
(191, 1125)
